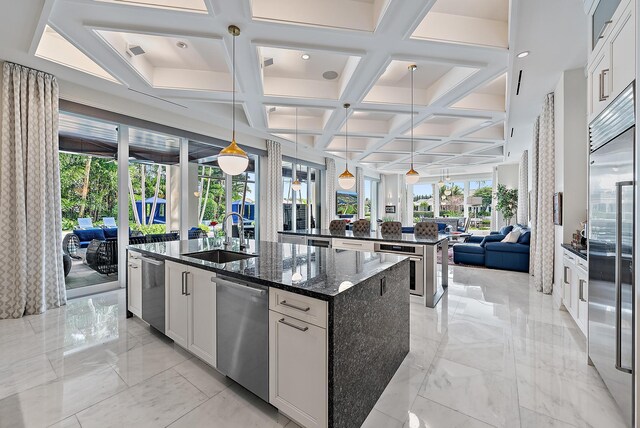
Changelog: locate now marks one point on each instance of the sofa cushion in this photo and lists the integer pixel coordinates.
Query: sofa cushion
(442, 227)
(491, 238)
(110, 232)
(505, 230)
(525, 237)
(85, 235)
(512, 237)
(507, 247)
(468, 248)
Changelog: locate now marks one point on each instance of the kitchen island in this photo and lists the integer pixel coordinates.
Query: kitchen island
(333, 328)
(425, 281)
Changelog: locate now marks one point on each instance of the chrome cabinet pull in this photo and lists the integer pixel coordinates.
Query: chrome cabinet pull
(186, 284)
(183, 283)
(601, 86)
(299, 308)
(293, 325)
(566, 270)
(604, 74)
(581, 290)
(133, 266)
(604, 28)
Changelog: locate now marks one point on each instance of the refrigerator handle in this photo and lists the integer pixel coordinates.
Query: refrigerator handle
(618, 281)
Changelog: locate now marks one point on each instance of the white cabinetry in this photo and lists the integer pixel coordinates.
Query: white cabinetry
(298, 357)
(134, 285)
(611, 66)
(575, 289)
(190, 309)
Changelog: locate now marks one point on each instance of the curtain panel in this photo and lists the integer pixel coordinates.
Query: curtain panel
(32, 274)
(543, 232)
(523, 190)
(360, 191)
(273, 206)
(330, 210)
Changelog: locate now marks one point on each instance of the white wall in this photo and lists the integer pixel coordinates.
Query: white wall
(571, 162)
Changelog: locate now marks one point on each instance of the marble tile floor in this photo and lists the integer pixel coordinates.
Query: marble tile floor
(494, 353)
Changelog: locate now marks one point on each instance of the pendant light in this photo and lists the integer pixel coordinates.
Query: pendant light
(441, 182)
(448, 177)
(412, 175)
(296, 185)
(232, 159)
(346, 180)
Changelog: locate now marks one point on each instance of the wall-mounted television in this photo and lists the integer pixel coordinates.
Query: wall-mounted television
(346, 202)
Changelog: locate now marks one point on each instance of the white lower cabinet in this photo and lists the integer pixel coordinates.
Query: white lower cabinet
(134, 286)
(352, 244)
(190, 309)
(575, 289)
(298, 373)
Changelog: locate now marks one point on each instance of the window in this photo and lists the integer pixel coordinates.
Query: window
(423, 202)
(370, 199)
(481, 214)
(303, 205)
(244, 188)
(452, 200)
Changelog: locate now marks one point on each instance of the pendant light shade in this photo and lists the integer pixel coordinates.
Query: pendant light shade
(232, 159)
(412, 176)
(296, 185)
(346, 180)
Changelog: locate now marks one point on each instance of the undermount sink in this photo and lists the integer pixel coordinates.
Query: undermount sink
(219, 256)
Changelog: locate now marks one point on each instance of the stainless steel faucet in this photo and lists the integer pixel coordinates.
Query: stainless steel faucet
(227, 239)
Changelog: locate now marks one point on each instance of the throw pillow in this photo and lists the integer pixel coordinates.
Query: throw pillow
(512, 237)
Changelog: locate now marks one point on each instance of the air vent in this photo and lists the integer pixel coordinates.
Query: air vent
(134, 50)
(267, 62)
(330, 75)
(519, 82)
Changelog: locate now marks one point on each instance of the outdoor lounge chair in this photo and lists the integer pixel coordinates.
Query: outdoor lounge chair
(85, 223)
(109, 222)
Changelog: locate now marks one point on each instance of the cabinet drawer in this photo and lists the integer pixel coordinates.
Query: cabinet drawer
(304, 308)
(353, 244)
(582, 264)
(293, 239)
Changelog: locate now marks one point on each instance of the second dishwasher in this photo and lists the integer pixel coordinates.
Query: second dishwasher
(242, 318)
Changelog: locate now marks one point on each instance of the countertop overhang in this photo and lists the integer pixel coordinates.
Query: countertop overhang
(406, 238)
(325, 272)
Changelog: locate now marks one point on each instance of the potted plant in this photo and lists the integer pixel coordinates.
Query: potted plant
(507, 202)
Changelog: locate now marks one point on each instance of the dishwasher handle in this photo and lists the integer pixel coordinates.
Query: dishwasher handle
(255, 289)
(154, 262)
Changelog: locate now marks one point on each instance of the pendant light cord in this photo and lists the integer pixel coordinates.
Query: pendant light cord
(412, 71)
(346, 137)
(233, 107)
(297, 144)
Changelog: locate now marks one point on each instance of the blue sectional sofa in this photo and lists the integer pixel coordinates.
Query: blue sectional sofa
(488, 251)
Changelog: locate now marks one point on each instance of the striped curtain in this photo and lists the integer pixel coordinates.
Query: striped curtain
(273, 201)
(523, 190)
(31, 272)
(543, 232)
(330, 210)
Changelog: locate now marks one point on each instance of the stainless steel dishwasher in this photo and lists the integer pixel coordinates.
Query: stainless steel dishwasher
(242, 321)
(153, 292)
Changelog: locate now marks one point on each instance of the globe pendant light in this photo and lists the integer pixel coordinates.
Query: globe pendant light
(346, 180)
(232, 159)
(441, 183)
(412, 175)
(448, 177)
(296, 185)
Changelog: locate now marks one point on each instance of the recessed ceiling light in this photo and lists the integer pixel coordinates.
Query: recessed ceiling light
(182, 45)
(306, 56)
(523, 54)
(330, 75)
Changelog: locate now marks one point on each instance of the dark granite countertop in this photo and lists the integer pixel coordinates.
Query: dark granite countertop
(407, 238)
(325, 272)
(580, 253)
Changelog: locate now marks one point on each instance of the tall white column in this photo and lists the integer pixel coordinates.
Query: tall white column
(466, 195)
(123, 202)
(184, 189)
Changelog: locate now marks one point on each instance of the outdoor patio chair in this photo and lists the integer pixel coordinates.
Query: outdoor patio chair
(85, 223)
(109, 222)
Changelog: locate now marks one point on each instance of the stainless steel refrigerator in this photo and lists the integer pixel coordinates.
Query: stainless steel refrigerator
(610, 247)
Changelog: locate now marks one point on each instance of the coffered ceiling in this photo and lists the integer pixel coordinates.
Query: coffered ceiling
(307, 57)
